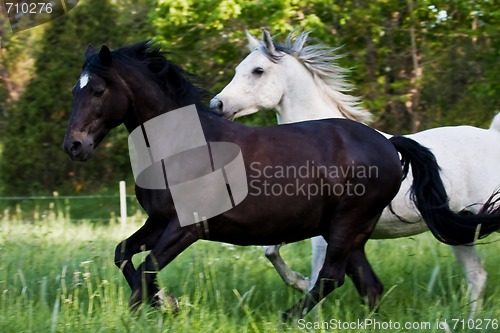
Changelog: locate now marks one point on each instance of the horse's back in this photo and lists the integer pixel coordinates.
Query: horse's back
(469, 159)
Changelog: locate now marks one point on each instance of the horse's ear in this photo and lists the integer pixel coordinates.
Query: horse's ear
(90, 51)
(253, 42)
(105, 55)
(267, 40)
(300, 41)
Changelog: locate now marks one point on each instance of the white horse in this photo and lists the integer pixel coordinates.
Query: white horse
(304, 83)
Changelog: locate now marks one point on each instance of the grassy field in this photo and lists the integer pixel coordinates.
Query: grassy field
(57, 276)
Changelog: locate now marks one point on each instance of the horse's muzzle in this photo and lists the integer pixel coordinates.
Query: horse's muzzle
(217, 105)
(78, 147)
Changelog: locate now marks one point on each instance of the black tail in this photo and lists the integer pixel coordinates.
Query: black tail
(429, 195)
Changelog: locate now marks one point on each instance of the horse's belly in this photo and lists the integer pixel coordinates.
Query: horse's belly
(389, 226)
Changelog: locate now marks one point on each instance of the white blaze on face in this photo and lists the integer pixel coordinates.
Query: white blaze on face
(84, 80)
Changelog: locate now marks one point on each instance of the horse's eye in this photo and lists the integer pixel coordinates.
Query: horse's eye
(258, 71)
(98, 93)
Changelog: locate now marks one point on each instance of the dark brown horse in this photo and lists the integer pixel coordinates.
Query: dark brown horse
(136, 84)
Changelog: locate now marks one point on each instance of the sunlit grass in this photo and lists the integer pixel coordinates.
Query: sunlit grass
(57, 276)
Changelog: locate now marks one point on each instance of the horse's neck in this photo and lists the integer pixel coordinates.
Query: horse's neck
(137, 116)
(303, 100)
(148, 102)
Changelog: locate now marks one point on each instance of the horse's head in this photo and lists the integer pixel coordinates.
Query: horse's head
(300, 82)
(100, 103)
(259, 82)
(129, 85)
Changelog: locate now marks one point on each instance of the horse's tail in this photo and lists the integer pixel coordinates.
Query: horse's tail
(429, 195)
(495, 124)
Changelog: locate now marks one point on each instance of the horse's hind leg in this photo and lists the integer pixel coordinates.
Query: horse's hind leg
(366, 281)
(344, 239)
(474, 271)
(358, 269)
(291, 278)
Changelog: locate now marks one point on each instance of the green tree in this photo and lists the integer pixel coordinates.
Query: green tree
(32, 159)
(463, 75)
(417, 64)
(208, 37)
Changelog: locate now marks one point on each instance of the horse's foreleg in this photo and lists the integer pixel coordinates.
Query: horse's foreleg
(142, 240)
(474, 271)
(171, 243)
(291, 278)
(366, 281)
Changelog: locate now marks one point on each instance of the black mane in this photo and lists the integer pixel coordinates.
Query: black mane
(147, 58)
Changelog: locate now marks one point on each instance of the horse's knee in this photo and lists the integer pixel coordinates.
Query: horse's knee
(272, 252)
(474, 271)
(478, 280)
(326, 284)
(120, 254)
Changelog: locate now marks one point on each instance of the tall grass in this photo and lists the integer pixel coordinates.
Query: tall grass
(101, 208)
(57, 276)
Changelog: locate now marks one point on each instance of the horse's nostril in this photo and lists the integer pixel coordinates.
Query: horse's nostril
(79, 149)
(75, 148)
(216, 104)
(220, 106)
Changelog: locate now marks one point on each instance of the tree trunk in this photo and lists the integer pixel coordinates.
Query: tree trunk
(412, 104)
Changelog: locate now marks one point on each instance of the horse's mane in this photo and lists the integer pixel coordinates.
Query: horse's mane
(321, 61)
(148, 58)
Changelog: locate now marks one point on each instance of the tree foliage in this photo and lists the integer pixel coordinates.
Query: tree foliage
(32, 159)
(416, 65)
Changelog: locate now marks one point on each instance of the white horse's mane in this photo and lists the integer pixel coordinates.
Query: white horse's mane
(321, 61)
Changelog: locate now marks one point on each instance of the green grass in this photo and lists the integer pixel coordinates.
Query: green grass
(57, 276)
(101, 208)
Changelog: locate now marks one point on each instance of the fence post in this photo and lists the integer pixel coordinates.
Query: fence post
(123, 203)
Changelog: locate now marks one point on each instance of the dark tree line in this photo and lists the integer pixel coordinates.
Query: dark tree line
(416, 64)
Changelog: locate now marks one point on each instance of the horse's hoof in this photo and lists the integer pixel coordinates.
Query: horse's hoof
(135, 302)
(287, 317)
(136, 308)
(165, 301)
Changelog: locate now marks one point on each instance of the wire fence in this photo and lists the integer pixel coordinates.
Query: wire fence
(109, 208)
